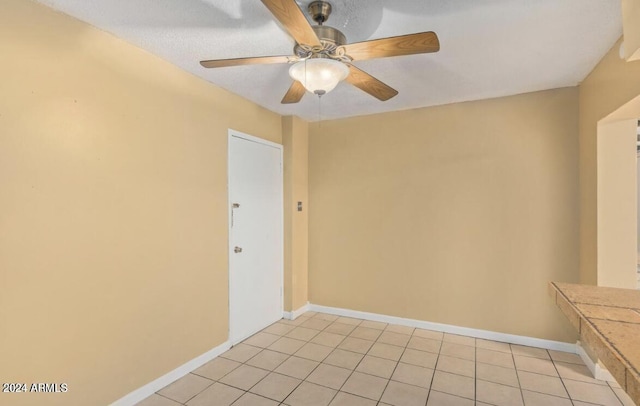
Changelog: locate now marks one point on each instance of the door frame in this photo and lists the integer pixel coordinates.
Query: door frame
(237, 134)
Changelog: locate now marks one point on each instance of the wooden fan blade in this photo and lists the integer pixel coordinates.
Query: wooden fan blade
(420, 43)
(363, 81)
(294, 94)
(291, 17)
(221, 63)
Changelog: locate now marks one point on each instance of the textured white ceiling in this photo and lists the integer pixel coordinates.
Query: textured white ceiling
(489, 48)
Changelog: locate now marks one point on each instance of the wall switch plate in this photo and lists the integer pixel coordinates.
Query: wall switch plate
(299, 206)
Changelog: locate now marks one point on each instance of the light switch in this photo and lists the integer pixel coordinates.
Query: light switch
(299, 206)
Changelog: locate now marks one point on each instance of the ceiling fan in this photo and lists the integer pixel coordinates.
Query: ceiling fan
(322, 58)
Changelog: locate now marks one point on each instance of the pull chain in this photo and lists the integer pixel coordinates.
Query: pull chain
(319, 111)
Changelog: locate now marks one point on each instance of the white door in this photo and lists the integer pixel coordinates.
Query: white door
(255, 235)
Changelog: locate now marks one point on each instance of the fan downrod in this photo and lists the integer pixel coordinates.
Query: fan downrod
(320, 11)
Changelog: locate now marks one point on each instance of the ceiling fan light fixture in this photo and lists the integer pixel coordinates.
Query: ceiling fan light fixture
(319, 75)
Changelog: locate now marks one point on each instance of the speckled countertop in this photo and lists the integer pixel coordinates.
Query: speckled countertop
(608, 320)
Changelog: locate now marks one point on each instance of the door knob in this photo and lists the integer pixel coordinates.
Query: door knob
(237, 250)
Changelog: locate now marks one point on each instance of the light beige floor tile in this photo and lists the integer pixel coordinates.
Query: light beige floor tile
(287, 345)
(577, 373)
(249, 399)
(268, 360)
(456, 366)
(216, 395)
(498, 358)
(587, 392)
(540, 399)
(241, 353)
(329, 376)
(566, 357)
(395, 328)
(261, 340)
(349, 320)
(624, 398)
(366, 333)
(314, 352)
(344, 359)
(356, 345)
(400, 394)
(157, 400)
(537, 365)
(458, 339)
(317, 324)
(389, 337)
(454, 384)
(276, 386)
(434, 335)
(298, 321)
(244, 377)
(278, 328)
(529, 351)
(302, 333)
(347, 399)
(310, 313)
(420, 358)
(217, 368)
(499, 395)
(326, 316)
(458, 351)
(185, 388)
(297, 367)
(340, 328)
(424, 344)
(494, 373)
(328, 339)
(549, 385)
(493, 345)
(309, 394)
(445, 399)
(386, 351)
(413, 375)
(367, 386)
(374, 324)
(377, 366)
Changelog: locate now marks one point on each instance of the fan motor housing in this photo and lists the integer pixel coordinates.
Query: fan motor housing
(330, 34)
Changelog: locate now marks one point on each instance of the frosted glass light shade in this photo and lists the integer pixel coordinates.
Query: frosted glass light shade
(319, 75)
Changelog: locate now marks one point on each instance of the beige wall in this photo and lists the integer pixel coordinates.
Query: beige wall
(612, 84)
(457, 214)
(295, 139)
(631, 30)
(113, 219)
(617, 207)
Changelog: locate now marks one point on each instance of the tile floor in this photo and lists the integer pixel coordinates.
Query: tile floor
(320, 359)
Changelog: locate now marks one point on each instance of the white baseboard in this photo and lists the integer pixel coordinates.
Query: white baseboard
(154, 386)
(447, 328)
(598, 371)
(294, 314)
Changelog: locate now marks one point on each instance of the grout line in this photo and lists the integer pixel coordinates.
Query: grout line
(616, 394)
(515, 366)
(475, 374)
(561, 379)
(167, 397)
(435, 370)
